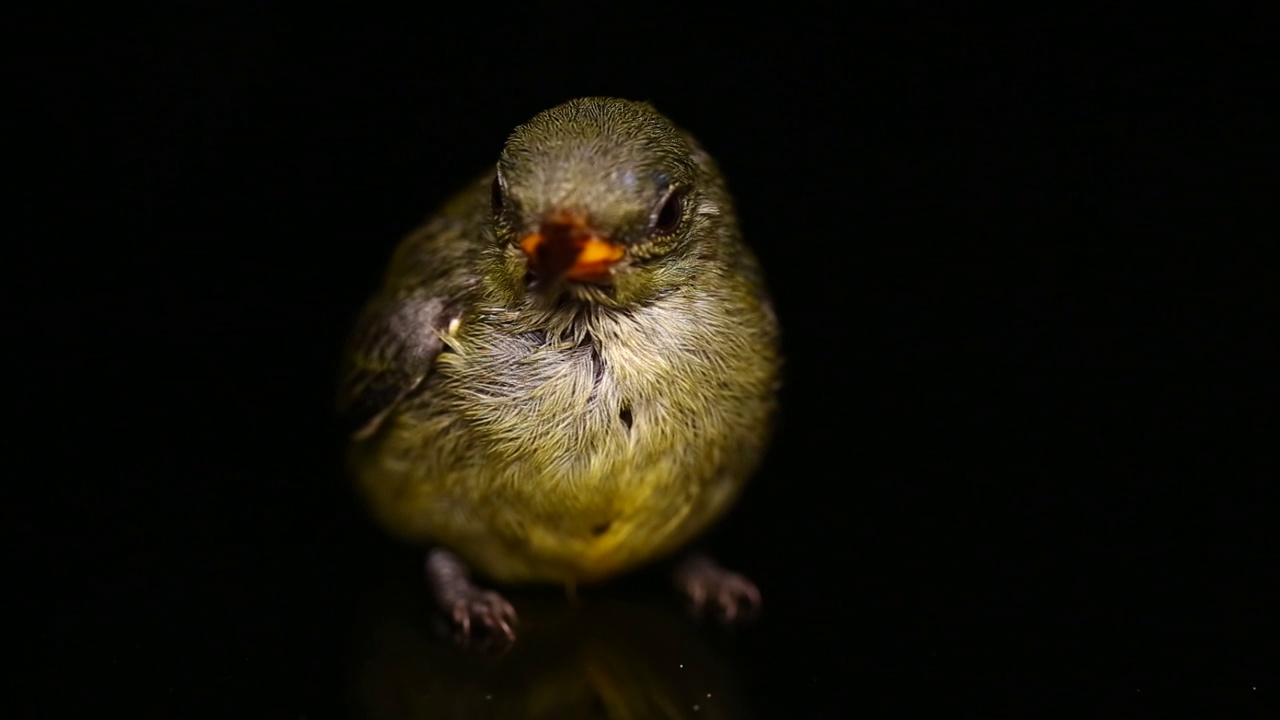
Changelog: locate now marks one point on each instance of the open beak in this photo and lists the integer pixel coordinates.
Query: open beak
(565, 247)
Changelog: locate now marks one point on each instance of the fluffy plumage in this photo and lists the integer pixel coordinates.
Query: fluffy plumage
(566, 431)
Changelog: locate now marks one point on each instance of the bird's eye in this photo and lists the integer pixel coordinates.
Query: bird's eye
(496, 195)
(669, 213)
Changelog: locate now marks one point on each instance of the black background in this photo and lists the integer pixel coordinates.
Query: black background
(1019, 261)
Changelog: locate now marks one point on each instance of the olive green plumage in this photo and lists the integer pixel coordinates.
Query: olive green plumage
(567, 431)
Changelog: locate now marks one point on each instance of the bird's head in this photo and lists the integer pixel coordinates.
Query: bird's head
(606, 201)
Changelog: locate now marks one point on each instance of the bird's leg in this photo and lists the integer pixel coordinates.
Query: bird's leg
(465, 603)
(711, 588)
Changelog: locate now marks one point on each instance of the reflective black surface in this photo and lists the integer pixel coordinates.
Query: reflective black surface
(1026, 451)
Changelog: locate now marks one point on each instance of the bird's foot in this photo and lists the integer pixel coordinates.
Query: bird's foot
(471, 609)
(713, 590)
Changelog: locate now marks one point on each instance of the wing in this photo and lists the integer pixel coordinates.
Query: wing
(400, 333)
(394, 346)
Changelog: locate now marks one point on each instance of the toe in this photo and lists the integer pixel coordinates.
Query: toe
(738, 598)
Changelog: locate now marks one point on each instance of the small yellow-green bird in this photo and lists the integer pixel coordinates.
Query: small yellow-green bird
(569, 370)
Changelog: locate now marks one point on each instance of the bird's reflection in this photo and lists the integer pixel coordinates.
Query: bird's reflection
(606, 655)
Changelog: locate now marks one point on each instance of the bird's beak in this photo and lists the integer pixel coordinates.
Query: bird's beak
(565, 247)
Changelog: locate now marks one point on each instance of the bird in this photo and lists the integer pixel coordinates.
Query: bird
(570, 370)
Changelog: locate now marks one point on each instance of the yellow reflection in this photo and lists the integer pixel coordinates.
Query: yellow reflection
(601, 657)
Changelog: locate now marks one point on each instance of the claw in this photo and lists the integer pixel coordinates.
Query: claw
(486, 609)
(466, 604)
(462, 617)
(728, 608)
(733, 597)
(697, 595)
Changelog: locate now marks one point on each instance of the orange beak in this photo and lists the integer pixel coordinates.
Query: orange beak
(565, 247)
